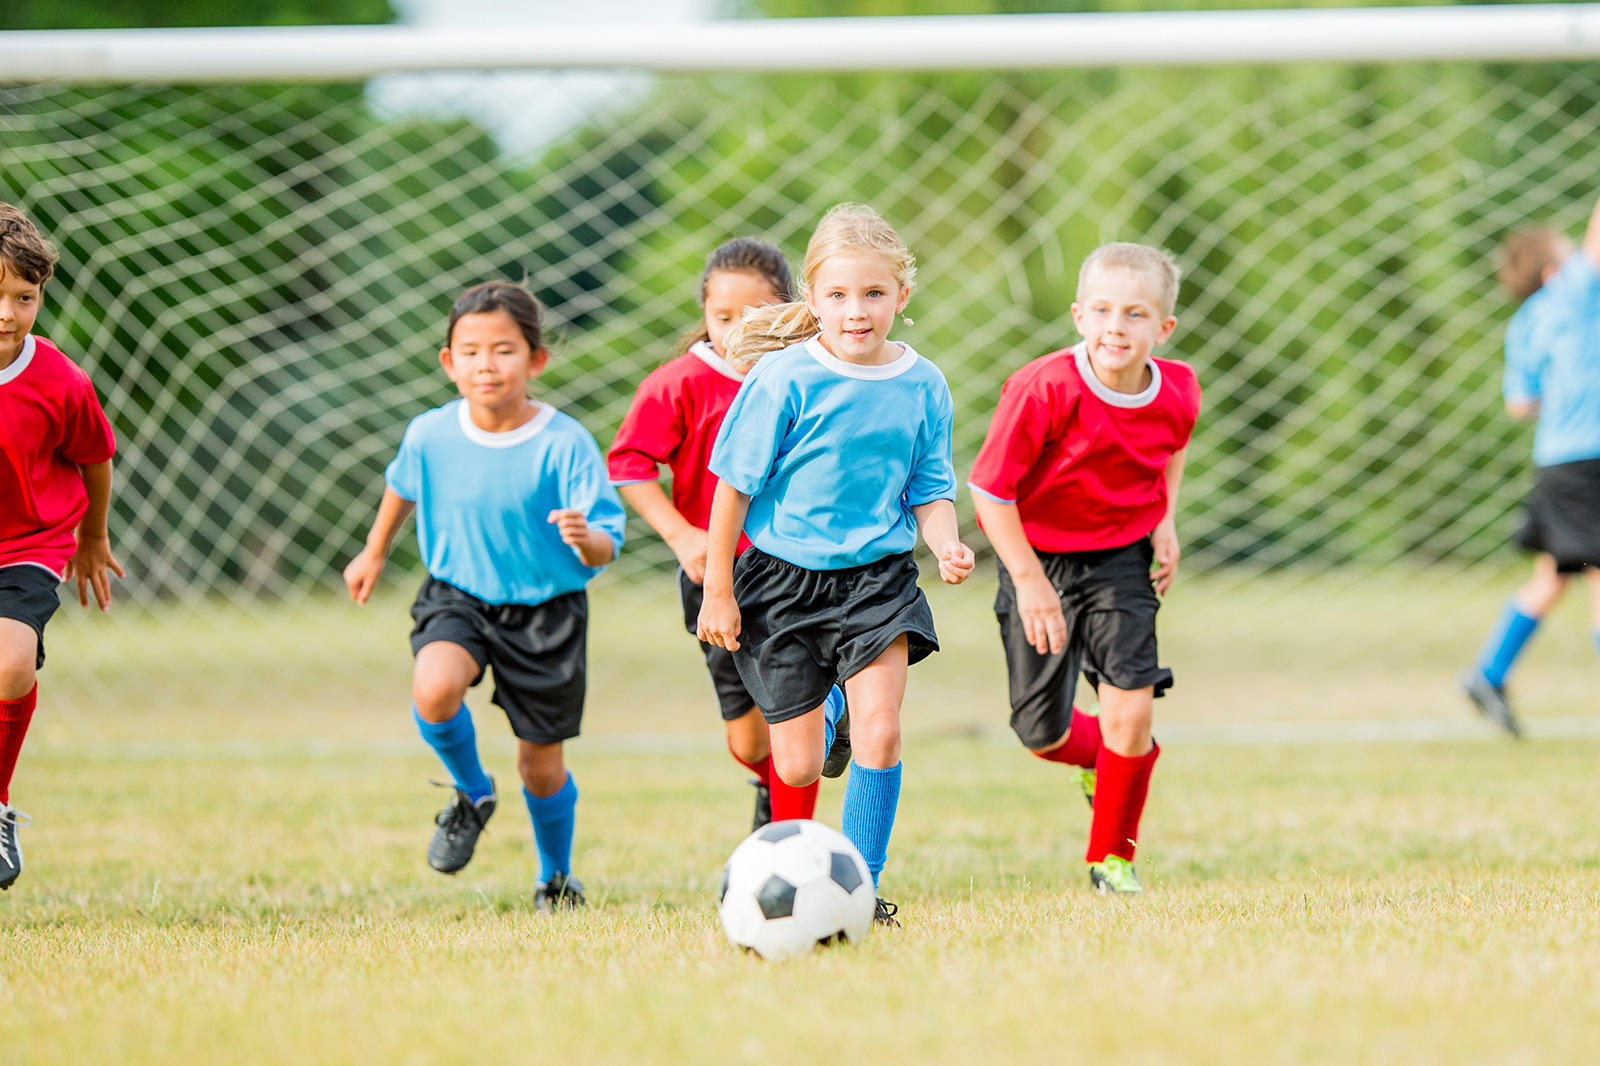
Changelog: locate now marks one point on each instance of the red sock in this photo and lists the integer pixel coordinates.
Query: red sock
(790, 802)
(1120, 787)
(1082, 746)
(14, 718)
(762, 769)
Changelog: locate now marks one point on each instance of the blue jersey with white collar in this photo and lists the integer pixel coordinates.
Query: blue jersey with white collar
(484, 501)
(1553, 357)
(834, 455)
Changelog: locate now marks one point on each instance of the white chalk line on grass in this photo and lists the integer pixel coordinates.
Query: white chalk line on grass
(1214, 734)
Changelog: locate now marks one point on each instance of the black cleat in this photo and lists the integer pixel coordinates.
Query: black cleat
(1489, 699)
(763, 805)
(563, 892)
(460, 825)
(838, 759)
(10, 849)
(884, 914)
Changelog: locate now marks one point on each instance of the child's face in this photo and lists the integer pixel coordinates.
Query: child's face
(728, 293)
(19, 307)
(490, 361)
(855, 299)
(1119, 317)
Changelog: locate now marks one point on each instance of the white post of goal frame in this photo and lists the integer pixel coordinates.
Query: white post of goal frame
(959, 42)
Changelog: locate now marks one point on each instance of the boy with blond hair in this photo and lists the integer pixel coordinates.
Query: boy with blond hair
(1552, 374)
(1077, 488)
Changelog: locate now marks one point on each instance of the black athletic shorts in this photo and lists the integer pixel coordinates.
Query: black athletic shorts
(732, 697)
(1110, 608)
(28, 594)
(804, 631)
(1563, 515)
(538, 653)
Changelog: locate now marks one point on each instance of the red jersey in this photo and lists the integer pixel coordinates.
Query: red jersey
(674, 421)
(1085, 465)
(50, 424)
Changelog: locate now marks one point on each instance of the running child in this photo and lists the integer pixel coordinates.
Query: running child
(835, 452)
(514, 517)
(55, 490)
(1552, 374)
(673, 422)
(1076, 486)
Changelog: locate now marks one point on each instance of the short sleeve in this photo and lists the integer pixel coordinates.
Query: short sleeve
(86, 437)
(1023, 424)
(650, 434)
(1575, 288)
(404, 474)
(585, 487)
(1521, 381)
(933, 474)
(751, 433)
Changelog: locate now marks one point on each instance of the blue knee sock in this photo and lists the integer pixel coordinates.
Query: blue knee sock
(553, 820)
(832, 711)
(871, 798)
(1505, 642)
(456, 743)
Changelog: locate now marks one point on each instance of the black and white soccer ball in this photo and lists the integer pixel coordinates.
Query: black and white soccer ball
(793, 885)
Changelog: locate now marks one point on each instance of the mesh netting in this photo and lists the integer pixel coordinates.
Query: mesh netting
(257, 277)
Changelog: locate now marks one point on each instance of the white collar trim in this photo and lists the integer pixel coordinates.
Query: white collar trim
(703, 351)
(511, 437)
(879, 372)
(1080, 352)
(20, 363)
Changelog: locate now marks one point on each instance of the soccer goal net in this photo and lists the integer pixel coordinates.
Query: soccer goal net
(257, 275)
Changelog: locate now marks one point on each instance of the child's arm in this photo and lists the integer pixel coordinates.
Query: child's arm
(93, 557)
(1043, 623)
(942, 532)
(1591, 239)
(361, 576)
(687, 541)
(719, 613)
(1165, 538)
(593, 545)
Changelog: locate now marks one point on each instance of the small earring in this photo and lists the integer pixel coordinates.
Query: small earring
(907, 321)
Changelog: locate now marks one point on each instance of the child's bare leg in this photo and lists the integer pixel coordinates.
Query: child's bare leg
(19, 650)
(1122, 774)
(541, 767)
(440, 679)
(872, 794)
(1125, 717)
(747, 738)
(552, 799)
(1543, 589)
(797, 748)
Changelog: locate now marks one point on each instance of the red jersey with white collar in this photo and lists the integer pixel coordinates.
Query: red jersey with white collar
(1085, 465)
(50, 424)
(673, 422)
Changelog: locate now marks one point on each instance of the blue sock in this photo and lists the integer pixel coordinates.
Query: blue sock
(1505, 642)
(456, 744)
(832, 711)
(871, 798)
(553, 820)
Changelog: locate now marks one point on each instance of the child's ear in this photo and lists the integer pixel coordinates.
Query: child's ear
(446, 360)
(538, 361)
(1166, 329)
(905, 298)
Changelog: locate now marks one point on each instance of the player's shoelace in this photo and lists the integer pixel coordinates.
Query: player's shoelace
(460, 815)
(884, 914)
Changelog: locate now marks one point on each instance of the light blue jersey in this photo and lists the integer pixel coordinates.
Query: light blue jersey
(1553, 357)
(484, 501)
(834, 455)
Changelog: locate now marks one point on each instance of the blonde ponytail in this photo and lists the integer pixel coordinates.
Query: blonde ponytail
(847, 229)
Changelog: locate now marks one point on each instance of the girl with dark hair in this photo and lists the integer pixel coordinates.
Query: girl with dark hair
(673, 421)
(514, 517)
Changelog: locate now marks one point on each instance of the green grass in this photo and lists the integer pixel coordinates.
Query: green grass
(226, 864)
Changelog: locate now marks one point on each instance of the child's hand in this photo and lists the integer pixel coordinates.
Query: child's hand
(690, 548)
(956, 562)
(1043, 623)
(361, 575)
(88, 565)
(1165, 542)
(719, 620)
(572, 525)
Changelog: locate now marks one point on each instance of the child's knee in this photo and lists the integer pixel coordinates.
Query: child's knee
(875, 740)
(747, 737)
(19, 651)
(796, 770)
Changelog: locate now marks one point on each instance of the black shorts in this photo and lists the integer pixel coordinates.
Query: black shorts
(1110, 608)
(1563, 515)
(28, 594)
(732, 697)
(538, 653)
(805, 631)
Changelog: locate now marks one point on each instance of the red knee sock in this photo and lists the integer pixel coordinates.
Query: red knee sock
(1082, 746)
(1121, 785)
(14, 718)
(762, 769)
(787, 801)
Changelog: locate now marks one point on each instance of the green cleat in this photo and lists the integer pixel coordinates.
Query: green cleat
(1086, 782)
(1114, 877)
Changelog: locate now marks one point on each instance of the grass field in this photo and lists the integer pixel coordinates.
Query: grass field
(226, 862)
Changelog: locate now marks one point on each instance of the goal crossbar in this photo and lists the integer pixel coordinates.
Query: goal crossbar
(928, 43)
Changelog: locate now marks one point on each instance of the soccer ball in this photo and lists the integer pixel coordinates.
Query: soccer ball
(793, 885)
